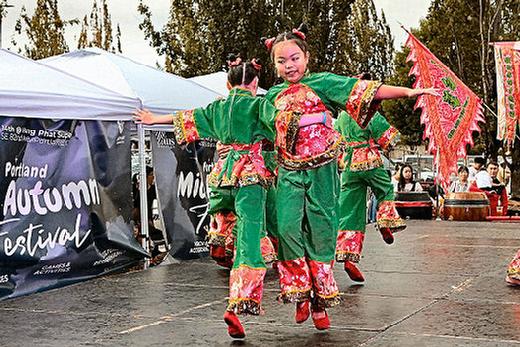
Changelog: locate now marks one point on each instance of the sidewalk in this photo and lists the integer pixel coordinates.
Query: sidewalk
(440, 284)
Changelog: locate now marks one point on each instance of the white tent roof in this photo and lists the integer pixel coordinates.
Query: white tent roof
(31, 89)
(217, 82)
(158, 91)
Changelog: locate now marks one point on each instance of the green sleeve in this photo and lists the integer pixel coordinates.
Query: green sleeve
(192, 125)
(267, 117)
(382, 132)
(352, 95)
(205, 118)
(338, 88)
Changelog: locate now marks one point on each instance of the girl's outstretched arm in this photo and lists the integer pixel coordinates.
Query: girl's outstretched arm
(146, 117)
(392, 92)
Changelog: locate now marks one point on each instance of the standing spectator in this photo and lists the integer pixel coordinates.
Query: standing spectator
(478, 164)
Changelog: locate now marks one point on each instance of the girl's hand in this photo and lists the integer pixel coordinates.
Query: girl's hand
(143, 117)
(428, 91)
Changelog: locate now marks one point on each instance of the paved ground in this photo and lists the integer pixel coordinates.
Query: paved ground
(440, 284)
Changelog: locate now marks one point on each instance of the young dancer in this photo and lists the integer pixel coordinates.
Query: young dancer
(363, 168)
(239, 179)
(308, 182)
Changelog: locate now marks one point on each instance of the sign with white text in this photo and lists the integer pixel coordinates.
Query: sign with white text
(181, 179)
(65, 195)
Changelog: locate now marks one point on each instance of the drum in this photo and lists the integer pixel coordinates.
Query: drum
(414, 205)
(466, 206)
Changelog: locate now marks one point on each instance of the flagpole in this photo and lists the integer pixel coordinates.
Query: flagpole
(437, 203)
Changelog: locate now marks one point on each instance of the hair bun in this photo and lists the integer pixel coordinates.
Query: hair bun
(303, 28)
(233, 59)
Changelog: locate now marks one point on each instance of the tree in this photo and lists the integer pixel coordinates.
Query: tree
(97, 32)
(237, 25)
(45, 30)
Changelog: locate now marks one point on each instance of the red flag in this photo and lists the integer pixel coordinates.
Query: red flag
(507, 61)
(449, 119)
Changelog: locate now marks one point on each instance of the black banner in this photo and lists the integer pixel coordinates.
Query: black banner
(181, 180)
(65, 195)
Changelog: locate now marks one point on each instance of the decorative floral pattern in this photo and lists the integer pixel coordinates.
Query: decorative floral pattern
(513, 270)
(389, 138)
(326, 293)
(242, 165)
(184, 127)
(221, 228)
(268, 250)
(295, 280)
(365, 156)
(387, 217)
(360, 105)
(246, 286)
(349, 245)
(315, 145)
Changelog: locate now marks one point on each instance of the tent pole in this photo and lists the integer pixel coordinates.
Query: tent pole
(143, 187)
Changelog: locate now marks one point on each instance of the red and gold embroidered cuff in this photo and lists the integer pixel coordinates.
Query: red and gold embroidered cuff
(513, 270)
(387, 217)
(268, 252)
(295, 280)
(246, 286)
(184, 127)
(326, 293)
(349, 245)
(360, 102)
(389, 138)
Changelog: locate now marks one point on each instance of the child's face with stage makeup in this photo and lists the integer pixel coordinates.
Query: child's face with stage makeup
(290, 61)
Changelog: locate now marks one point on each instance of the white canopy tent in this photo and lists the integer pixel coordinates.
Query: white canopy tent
(217, 82)
(157, 91)
(31, 89)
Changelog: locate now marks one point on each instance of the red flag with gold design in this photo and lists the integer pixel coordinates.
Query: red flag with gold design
(449, 119)
(507, 61)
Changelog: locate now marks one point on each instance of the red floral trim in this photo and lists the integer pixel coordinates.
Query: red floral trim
(221, 228)
(513, 270)
(349, 245)
(295, 280)
(366, 157)
(248, 167)
(389, 138)
(360, 101)
(184, 127)
(387, 217)
(326, 292)
(246, 286)
(267, 249)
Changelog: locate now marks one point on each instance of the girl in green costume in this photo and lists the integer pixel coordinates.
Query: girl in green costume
(362, 168)
(239, 179)
(308, 182)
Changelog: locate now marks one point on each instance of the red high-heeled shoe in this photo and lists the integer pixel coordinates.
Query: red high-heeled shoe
(302, 311)
(353, 272)
(320, 319)
(235, 328)
(387, 235)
